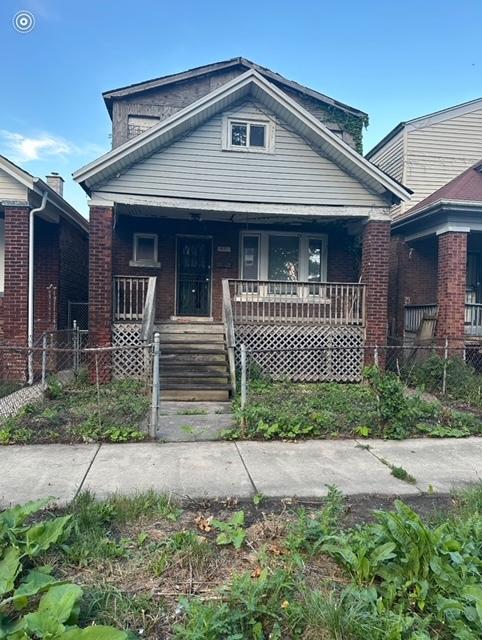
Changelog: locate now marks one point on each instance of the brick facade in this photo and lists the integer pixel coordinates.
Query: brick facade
(15, 301)
(375, 272)
(343, 256)
(100, 276)
(452, 260)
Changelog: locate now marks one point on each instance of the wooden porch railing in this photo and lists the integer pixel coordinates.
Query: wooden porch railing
(473, 319)
(228, 320)
(257, 301)
(129, 297)
(414, 314)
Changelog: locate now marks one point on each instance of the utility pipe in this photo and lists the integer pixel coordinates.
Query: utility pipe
(30, 283)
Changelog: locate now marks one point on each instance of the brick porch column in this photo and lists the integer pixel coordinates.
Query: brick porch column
(100, 287)
(15, 300)
(451, 284)
(374, 273)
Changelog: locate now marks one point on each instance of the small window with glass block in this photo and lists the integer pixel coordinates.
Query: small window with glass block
(248, 135)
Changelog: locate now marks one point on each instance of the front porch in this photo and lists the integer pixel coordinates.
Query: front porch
(301, 286)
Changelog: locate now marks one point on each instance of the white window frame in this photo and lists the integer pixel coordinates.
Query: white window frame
(227, 145)
(303, 249)
(135, 262)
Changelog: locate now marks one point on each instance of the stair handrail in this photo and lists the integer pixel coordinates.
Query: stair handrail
(228, 320)
(149, 313)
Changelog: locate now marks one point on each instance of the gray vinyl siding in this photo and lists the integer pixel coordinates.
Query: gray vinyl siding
(390, 157)
(437, 153)
(197, 167)
(11, 189)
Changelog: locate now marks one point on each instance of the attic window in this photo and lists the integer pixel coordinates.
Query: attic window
(247, 135)
(139, 124)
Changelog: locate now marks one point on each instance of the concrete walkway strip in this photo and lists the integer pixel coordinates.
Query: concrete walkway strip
(306, 469)
(201, 469)
(40, 471)
(222, 469)
(440, 465)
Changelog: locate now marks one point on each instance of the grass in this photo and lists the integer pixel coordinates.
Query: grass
(402, 474)
(291, 411)
(330, 570)
(78, 412)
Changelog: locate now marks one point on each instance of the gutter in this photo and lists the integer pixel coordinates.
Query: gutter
(31, 283)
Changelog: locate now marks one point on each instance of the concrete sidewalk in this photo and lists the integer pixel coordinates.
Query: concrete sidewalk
(220, 469)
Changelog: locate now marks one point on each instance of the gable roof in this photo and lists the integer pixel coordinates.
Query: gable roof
(465, 188)
(430, 118)
(39, 186)
(251, 83)
(155, 83)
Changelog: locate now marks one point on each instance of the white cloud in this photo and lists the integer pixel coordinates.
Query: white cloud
(23, 148)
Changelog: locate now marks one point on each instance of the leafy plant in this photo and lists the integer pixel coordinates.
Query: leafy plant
(231, 531)
(33, 603)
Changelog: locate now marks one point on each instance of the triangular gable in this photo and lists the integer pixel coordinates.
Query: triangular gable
(249, 85)
(196, 166)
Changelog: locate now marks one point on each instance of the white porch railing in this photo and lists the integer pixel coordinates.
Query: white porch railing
(258, 301)
(414, 314)
(473, 319)
(130, 297)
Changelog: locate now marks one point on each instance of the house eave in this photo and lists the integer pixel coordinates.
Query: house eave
(437, 208)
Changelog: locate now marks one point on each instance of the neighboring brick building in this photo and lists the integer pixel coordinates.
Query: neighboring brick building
(437, 261)
(238, 191)
(60, 261)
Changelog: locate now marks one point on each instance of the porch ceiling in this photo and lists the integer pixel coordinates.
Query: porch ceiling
(253, 216)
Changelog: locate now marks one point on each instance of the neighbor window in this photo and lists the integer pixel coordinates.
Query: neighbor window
(145, 250)
(242, 135)
(138, 124)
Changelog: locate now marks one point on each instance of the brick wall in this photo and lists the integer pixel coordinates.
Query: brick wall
(413, 277)
(100, 276)
(375, 271)
(343, 258)
(74, 268)
(451, 284)
(46, 276)
(15, 302)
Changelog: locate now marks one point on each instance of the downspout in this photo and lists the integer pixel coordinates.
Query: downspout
(30, 283)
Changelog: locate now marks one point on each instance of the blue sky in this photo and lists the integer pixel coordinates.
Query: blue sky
(392, 60)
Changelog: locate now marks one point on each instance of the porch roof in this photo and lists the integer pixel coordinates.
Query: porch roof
(258, 87)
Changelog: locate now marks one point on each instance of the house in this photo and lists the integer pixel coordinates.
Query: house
(436, 241)
(44, 242)
(427, 152)
(235, 206)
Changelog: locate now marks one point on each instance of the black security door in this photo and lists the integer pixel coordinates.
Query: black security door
(193, 276)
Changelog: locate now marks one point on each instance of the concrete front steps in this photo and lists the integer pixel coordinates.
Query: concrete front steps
(194, 364)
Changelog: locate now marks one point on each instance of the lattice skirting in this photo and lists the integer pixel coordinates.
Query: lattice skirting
(338, 358)
(128, 363)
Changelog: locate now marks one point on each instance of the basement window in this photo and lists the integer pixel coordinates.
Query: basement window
(145, 250)
(248, 135)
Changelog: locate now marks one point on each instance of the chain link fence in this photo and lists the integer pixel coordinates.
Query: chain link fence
(74, 396)
(449, 369)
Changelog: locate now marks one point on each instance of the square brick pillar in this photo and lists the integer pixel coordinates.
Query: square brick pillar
(15, 300)
(451, 285)
(100, 288)
(374, 274)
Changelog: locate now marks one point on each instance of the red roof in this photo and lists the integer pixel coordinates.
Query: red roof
(466, 187)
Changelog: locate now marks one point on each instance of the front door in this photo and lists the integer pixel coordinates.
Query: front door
(193, 276)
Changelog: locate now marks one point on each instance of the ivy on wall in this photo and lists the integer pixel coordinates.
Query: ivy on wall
(350, 123)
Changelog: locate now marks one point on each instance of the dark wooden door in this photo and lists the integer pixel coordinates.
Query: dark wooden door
(193, 276)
